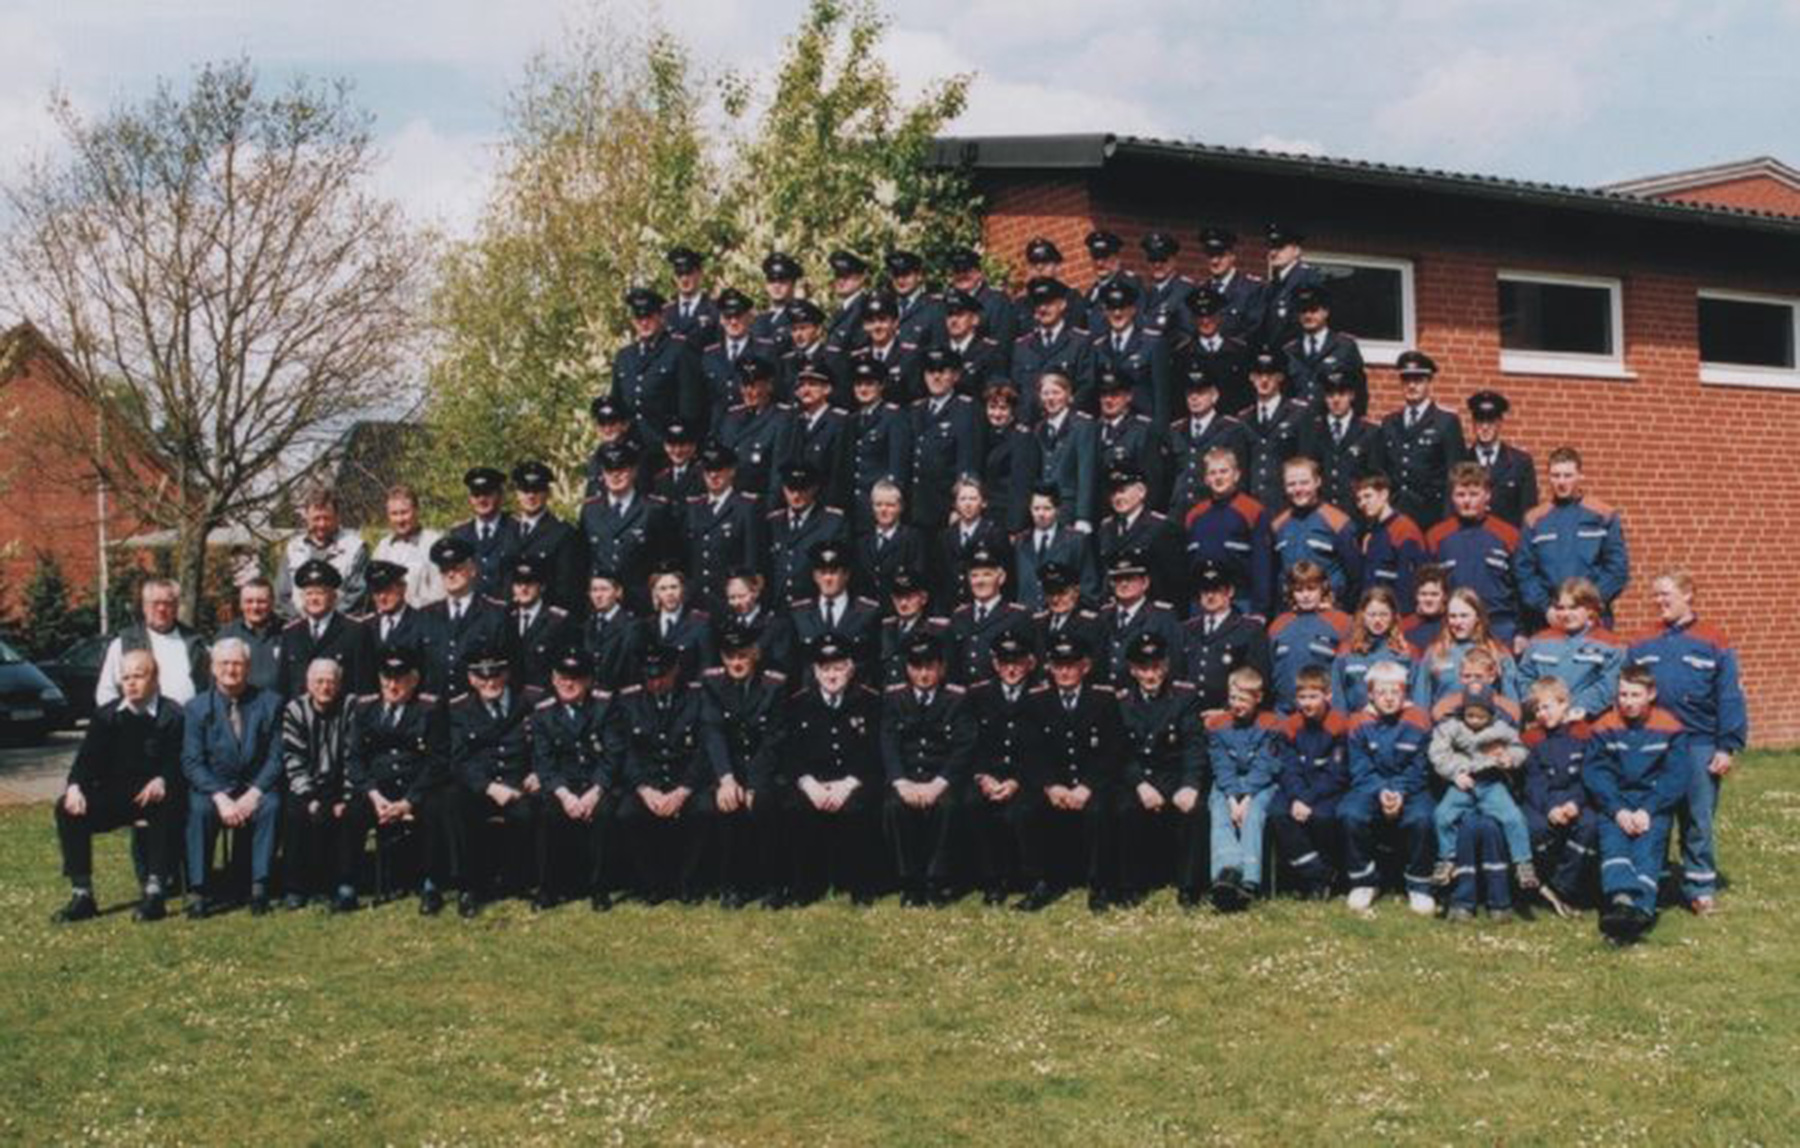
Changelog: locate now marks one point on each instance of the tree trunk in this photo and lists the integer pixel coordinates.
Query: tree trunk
(190, 567)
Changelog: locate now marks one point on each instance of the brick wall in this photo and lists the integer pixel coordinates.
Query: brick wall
(1703, 474)
(1756, 193)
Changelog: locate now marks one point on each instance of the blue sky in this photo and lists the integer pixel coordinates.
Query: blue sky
(1573, 92)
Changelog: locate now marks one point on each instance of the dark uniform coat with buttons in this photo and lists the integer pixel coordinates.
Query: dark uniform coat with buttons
(1117, 632)
(975, 639)
(1209, 660)
(660, 382)
(485, 749)
(1069, 459)
(1164, 738)
(1339, 354)
(1146, 361)
(1515, 481)
(569, 745)
(764, 441)
(1242, 318)
(1086, 747)
(1272, 443)
(662, 739)
(494, 558)
(744, 725)
(946, 444)
(344, 641)
(559, 546)
(1010, 465)
(790, 549)
(482, 628)
(1134, 440)
(882, 448)
(721, 538)
(828, 744)
(1069, 353)
(1226, 362)
(1281, 321)
(551, 633)
(629, 542)
(1418, 462)
(611, 645)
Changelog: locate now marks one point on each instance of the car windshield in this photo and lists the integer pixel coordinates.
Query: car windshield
(88, 653)
(8, 655)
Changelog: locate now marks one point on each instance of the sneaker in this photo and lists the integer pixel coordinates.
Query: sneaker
(152, 908)
(431, 902)
(1459, 915)
(1703, 906)
(1424, 904)
(1500, 916)
(1525, 873)
(1443, 872)
(81, 907)
(1360, 898)
(1615, 918)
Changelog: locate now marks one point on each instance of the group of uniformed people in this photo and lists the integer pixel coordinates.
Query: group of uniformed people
(1017, 588)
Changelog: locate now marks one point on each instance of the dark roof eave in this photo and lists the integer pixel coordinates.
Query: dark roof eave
(1093, 152)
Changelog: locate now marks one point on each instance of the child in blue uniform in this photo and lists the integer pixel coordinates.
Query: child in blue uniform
(1309, 634)
(1564, 830)
(1374, 637)
(1637, 772)
(1388, 794)
(1314, 776)
(1246, 749)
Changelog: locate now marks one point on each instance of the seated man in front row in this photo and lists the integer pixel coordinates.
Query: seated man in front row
(127, 770)
(231, 756)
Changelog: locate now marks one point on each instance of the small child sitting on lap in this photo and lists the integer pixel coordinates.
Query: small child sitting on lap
(1475, 749)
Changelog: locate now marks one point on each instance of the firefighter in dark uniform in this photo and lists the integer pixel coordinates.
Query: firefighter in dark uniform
(1164, 303)
(1130, 613)
(1420, 442)
(850, 284)
(1068, 443)
(927, 739)
(1051, 345)
(1225, 359)
(578, 773)
(743, 717)
(1217, 639)
(832, 609)
(1049, 541)
(897, 359)
(909, 598)
(1190, 438)
(1240, 293)
(744, 607)
(794, 530)
(1133, 528)
(806, 322)
(394, 625)
(1044, 261)
(882, 445)
(1003, 767)
(674, 623)
(724, 528)
(1514, 472)
(832, 755)
(822, 437)
(1346, 446)
(1128, 438)
(663, 823)
(1103, 248)
(1065, 611)
(691, 315)
(759, 430)
(1124, 347)
(656, 377)
(1010, 465)
(1279, 429)
(1082, 747)
(492, 535)
(921, 313)
(945, 429)
(889, 544)
(978, 623)
(541, 534)
(982, 356)
(462, 623)
(1288, 273)
(321, 632)
(610, 635)
(679, 479)
(1319, 351)
(998, 319)
(1164, 775)
(612, 423)
(396, 757)
(722, 361)
(539, 632)
(490, 755)
(971, 529)
(781, 273)
(626, 532)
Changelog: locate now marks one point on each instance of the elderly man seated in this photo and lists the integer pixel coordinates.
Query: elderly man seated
(231, 756)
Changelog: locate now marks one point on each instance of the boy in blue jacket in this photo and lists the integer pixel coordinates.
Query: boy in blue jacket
(1246, 749)
(1314, 777)
(1388, 795)
(1637, 774)
(1564, 830)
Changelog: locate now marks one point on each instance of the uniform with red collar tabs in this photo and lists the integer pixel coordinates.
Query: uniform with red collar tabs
(1635, 766)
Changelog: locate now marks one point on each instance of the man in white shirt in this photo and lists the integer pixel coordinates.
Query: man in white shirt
(181, 659)
(408, 544)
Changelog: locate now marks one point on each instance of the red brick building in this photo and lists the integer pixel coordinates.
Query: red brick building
(48, 500)
(1653, 325)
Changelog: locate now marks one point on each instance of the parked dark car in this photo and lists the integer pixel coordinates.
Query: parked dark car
(77, 671)
(31, 705)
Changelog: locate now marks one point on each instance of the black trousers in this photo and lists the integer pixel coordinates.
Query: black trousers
(433, 821)
(666, 852)
(748, 843)
(922, 840)
(1145, 839)
(572, 855)
(832, 850)
(501, 844)
(1061, 845)
(310, 841)
(999, 829)
(109, 808)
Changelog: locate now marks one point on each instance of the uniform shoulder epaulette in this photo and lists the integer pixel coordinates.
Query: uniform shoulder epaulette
(546, 704)
(775, 514)
(734, 408)
(802, 604)
(1084, 612)
(713, 672)
(558, 611)
(955, 690)
(363, 618)
(1161, 605)
(788, 406)
(1040, 688)
(1021, 340)
(1603, 509)
(492, 601)
(656, 498)
(296, 623)
(1081, 416)
(1536, 513)
(692, 686)
(965, 608)
(462, 701)
(601, 497)
(600, 694)
(426, 698)
(1013, 608)
(696, 499)
(1102, 688)
(366, 698)
(775, 676)
(630, 690)
(699, 615)
(833, 512)
(889, 406)
(869, 602)
(1182, 687)
(895, 687)
(866, 689)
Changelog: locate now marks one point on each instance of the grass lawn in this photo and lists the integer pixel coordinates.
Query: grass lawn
(904, 1026)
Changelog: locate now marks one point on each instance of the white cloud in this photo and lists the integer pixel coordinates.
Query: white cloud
(442, 180)
(1479, 103)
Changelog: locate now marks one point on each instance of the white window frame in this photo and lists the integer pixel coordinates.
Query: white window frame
(1382, 352)
(1570, 363)
(1743, 374)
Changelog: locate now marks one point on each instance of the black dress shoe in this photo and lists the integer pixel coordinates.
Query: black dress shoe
(1099, 901)
(196, 909)
(152, 908)
(543, 900)
(81, 907)
(467, 906)
(1188, 898)
(431, 903)
(942, 896)
(1038, 899)
(294, 901)
(776, 899)
(259, 904)
(914, 899)
(344, 902)
(862, 899)
(994, 895)
(600, 902)
(733, 899)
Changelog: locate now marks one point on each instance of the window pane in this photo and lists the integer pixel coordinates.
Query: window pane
(1365, 301)
(1751, 334)
(1555, 317)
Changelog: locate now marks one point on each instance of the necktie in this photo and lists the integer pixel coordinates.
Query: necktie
(387, 626)
(1068, 703)
(234, 716)
(456, 610)
(391, 716)
(830, 614)
(486, 533)
(1211, 344)
(1312, 345)
(1043, 543)
(1212, 625)
(494, 710)
(524, 624)
(668, 626)
(1266, 413)
(981, 613)
(1412, 417)
(1118, 344)
(318, 630)
(1337, 430)
(1487, 459)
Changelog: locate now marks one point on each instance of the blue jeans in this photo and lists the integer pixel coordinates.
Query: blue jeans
(1699, 856)
(1493, 799)
(203, 825)
(1633, 865)
(1238, 847)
